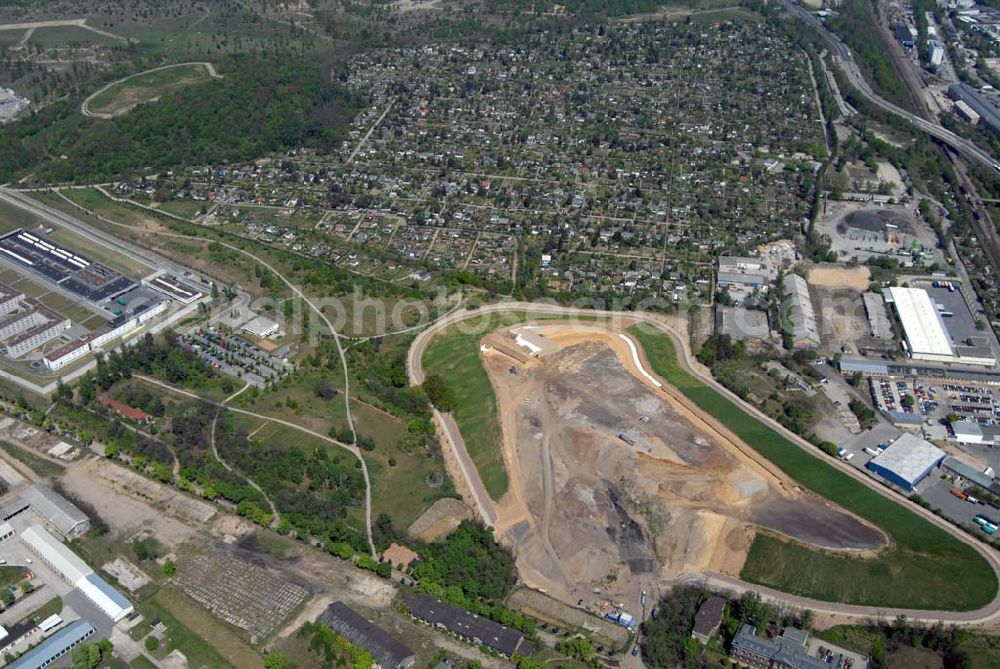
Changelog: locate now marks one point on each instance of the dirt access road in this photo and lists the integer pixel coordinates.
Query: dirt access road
(85, 106)
(679, 496)
(844, 612)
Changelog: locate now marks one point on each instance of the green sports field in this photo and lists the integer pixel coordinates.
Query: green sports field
(924, 568)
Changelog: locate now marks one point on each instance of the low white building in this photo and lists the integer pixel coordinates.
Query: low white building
(261, 327)
(58, 557)
(172, 287)
(927, 337)
(95, 341)
(967, 432)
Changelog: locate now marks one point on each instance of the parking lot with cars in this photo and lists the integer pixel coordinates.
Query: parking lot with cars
(233, 355)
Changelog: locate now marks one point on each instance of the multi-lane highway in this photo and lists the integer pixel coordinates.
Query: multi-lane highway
(845, 60)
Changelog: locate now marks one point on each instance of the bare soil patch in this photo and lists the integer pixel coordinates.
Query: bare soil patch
(442, 517)
(857, 278)
(616, 485)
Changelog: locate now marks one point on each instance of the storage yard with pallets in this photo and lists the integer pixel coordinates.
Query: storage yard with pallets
(240, 592)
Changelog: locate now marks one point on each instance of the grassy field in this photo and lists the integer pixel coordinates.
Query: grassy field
(9, 38)
(36, 463)
(142, 662)
(925, 568)
(147, 86)
(65, 36)
(400, 489)
(10, 575)
(12, 217)
(100, 253)
(454, 356)
(213, 645)
(183, 208)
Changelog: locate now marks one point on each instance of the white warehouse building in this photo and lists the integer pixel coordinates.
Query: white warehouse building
(927, 337)
(76, 572)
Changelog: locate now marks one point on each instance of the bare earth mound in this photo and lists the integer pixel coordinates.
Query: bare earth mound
(856, 278)
(441, 518)
(615, 487)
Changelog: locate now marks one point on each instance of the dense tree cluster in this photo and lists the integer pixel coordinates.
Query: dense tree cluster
(441, 395)
(720, 347)
(471, 560)
(91, 655)
(855, 23)
(163, 359)
(260, 106)
(667, 635)
(312, 489)
(385, 376)
(864, 413)
(333, 650)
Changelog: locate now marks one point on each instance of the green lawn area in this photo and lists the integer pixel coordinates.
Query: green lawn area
(36, 463)
(401, 489)
(65, 36)
(11, 575)
(183, 208)
(51, 607)
(925, 567)
(147, 86)
(142, 662)
(199, 652)
(9, 38)
(12, 217)
(454, 355)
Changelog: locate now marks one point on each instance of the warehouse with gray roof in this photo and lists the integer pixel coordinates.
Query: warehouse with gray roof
(988, 113)
(389, 652)
(907, 461)
(64, 516)
(469, 626)
(799, 317)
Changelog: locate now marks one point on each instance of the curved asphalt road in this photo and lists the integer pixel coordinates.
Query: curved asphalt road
(414, 368)
(963, 147)
(850, 69)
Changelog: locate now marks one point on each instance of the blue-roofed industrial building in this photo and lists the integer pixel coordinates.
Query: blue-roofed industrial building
(903, 35)
(907, 461)
(56, 646)
(107, 598)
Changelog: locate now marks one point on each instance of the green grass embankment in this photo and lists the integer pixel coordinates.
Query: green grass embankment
(924, 568)
(453, 354)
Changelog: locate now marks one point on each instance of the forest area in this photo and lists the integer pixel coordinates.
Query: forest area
(261, 105)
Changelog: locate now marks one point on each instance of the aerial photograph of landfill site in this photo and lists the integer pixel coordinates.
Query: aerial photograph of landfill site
(499, 334)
